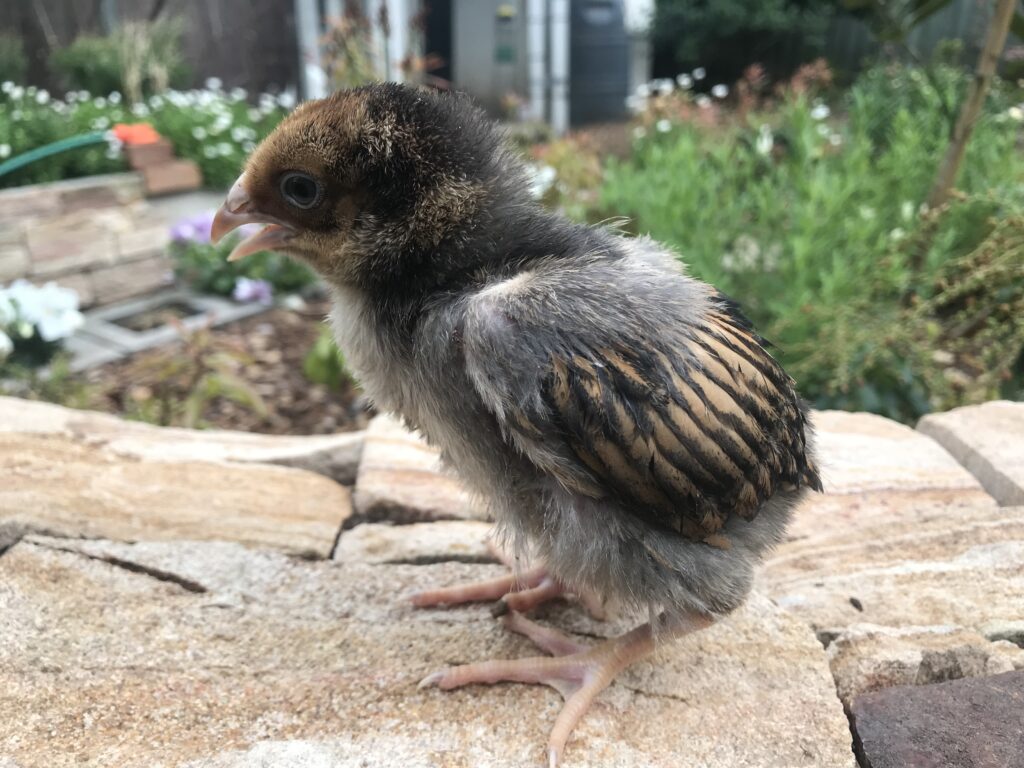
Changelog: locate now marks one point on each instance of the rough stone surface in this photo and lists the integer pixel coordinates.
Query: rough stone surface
(866, 657)
(974, 723)
(58, 484)
(209, 654)
(988, 440)
(418, 543)
(400, 480)
(335, 456)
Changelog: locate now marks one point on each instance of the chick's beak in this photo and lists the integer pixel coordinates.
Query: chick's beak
(237, 210)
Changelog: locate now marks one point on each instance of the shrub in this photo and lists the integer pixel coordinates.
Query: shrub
(325, 364)
(138, 58)
(726, 35)
(13, 63)
(816, 226)
(216, 129)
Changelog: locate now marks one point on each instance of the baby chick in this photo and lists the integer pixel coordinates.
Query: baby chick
(629, 429)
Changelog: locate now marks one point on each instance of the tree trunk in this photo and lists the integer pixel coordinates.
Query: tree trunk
(995, 39)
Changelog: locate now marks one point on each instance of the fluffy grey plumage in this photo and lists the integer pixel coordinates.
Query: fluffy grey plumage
(626, 425)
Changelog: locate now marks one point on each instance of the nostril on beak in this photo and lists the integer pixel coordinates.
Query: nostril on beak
(238, 198)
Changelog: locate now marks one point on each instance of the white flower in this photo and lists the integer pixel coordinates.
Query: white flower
(199, 133)
(635, 103)
(287, 99)
(254, 115)
(156, 102)
(213, 83)
(541, 179)
(699, 73)
(100, 123)
(99, 102)
(897, 234)
(867, 213)
(224, 149)
(824, 131)
(639, 132)
(8, 312)
(6, 346)
(684, 81)
(1016, 113)
(703, 101)
(249, 146)
(84, 95)
(907, 210)
(140, 110)
(5, 151)
(664, 125)
(835, 139)
(51, 309)
(114, 97)
(720, 91)
(16, 115)
(643, 90)
(71, 97)
(765, 140)
(820, 111)
(238, 94)
(16, 92)
(42, 96)
(221, 124)
(209, 152)
(664, 86)
(7, 87)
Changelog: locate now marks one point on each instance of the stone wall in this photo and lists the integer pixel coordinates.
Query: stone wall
(96, 235)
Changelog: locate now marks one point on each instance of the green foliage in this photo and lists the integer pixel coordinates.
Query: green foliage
(13, 63)
(892, 22)
(205, 267)
(816, 227)
(725, 36)
(54, 384)
(138, 58)
(325, 364)
(176, 384)
(216, 129)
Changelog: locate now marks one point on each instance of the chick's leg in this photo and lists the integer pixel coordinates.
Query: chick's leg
(522, 592)
(576, 671)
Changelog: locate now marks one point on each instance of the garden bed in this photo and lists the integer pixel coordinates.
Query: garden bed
(265, 353)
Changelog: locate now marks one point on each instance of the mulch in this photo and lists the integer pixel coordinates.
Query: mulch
(265, 351)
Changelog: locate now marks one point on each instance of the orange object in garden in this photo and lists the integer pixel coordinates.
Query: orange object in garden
(136, 133)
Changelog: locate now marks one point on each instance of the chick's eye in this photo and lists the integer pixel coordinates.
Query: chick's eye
(300, 190)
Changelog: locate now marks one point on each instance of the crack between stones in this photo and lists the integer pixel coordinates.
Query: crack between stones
(155, 573)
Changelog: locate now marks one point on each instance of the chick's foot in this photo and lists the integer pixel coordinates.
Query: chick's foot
(575, 670)
(513, 593)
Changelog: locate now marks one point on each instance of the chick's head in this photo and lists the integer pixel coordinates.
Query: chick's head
(362, 182)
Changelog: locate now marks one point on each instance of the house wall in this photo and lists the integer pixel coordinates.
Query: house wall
(479, 40)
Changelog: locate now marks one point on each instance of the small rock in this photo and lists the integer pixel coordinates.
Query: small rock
(974, 723)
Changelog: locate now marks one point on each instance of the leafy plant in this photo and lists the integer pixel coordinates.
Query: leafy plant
(138, 58)
(816, 225)
(13, 62)
(325, 364)
(727, 35)
(216, 129)
(34, 322)
(175, 385)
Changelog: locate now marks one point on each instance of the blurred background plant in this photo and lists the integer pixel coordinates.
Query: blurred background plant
(174, 386)
(204, 266)
(13, 62)
(325, 364)
(34, 322)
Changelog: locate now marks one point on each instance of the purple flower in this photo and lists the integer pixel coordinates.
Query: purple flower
(193, 229)
(248, 290)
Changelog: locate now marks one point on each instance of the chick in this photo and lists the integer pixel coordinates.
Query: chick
(629, 429)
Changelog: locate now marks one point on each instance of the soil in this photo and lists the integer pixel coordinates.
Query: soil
(266, 352)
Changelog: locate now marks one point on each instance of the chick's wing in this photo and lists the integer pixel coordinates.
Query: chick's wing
(673, 408)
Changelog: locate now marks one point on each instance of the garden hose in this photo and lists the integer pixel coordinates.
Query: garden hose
(47, 150)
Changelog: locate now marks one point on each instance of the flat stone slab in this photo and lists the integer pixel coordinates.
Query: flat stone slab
(336, 456)
(401, 480)
(988, 440)
(58, 484)
(462, 541)
(973, 723)
(214, 655)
